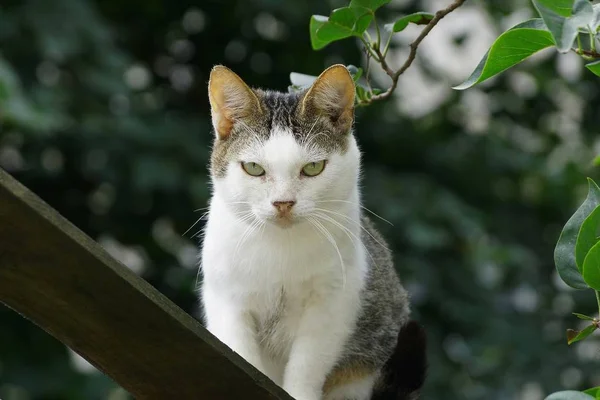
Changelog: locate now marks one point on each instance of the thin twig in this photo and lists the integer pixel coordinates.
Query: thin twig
(588, 53)
(413, 51)
(370, 50)
(367, 71)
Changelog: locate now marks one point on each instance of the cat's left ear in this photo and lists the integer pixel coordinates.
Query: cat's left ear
(332, 96)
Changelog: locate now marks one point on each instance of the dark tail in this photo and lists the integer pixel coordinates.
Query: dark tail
(404, 373)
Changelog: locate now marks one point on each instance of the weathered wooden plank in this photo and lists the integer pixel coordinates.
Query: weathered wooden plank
(59, 278)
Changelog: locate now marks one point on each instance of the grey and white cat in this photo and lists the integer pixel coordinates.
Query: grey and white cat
(295, 277)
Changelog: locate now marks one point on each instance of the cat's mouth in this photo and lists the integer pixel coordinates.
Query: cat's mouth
(284, 221)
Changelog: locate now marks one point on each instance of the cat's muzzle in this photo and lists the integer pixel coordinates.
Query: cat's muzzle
(284, 212)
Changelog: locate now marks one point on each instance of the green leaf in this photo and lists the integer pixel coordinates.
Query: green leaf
(372, 5)
(316, 23)
(418, 18)
(596, 161)
(564, 25)
(595, 392)
(574, 336)
(560, 7)
(588, 236)
(362, 93)
(512, 47)
(591, 267)
(583, 316)
(594, 67)
(341, 24)
(564, 253)
(569, 395)
(356, 19)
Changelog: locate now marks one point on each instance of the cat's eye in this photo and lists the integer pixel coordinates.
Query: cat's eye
(313, 168)
(253, 169)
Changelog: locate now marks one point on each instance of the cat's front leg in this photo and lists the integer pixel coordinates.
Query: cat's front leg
(323, 330)
(232, 324)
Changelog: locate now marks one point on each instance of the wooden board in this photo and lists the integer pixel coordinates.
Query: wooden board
(59, 278)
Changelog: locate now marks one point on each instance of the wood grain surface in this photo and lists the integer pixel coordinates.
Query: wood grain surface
(56, 276)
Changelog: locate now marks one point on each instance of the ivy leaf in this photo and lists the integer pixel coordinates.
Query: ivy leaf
(591, 267)
(564, 23)
(576, 336)
(564, 253)
(594, 67)
(569, 395)
(509, 49)
(583, 316)
(418, 18)
(372, 5)
(588, 236)
(341, 24)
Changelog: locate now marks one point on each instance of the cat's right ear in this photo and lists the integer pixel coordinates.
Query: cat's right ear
(230, 100)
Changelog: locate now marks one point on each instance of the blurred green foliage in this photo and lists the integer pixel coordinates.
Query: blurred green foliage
(103, 113)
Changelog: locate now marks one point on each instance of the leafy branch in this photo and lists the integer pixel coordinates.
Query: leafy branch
(354, 21)
(567, 25)
(413, 51)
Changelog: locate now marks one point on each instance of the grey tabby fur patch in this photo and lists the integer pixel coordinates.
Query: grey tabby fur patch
(385, 308)
(281, 110)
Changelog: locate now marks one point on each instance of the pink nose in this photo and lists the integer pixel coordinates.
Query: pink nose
(283, 207)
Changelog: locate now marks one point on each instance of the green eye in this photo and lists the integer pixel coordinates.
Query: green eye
(253, 169)
(313, 168)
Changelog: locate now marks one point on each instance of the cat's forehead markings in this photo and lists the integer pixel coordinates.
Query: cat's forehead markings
(280, 112)
(282, 147)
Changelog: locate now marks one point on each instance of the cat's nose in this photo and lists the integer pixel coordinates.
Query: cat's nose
(283, 207)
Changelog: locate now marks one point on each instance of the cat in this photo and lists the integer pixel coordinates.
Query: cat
(296, 279)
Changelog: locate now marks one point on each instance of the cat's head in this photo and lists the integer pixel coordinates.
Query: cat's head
(279, 157)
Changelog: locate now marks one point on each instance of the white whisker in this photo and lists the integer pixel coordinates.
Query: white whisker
(355, 222)
(331, 240)
(348, 233)
(194, 224)
(360, 205)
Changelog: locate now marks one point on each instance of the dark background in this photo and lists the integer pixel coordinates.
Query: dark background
(104, 114)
